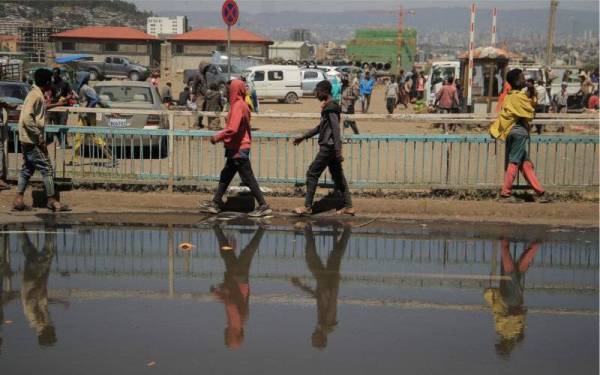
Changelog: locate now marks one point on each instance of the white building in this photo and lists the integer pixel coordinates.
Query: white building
(288, 50)
(167, 25)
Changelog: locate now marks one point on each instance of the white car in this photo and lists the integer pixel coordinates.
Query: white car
(281, 82)
(310, 78)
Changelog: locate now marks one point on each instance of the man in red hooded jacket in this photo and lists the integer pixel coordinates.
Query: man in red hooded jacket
(237, 139)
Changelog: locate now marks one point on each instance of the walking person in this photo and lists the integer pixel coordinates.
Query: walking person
(560, 103)
(402, 94)
(214, 103)
(3, 139)
(167, 94)
(391, 95)
(237, 140)
(366, 89)
(33, 144)
(327, 277)
(61, 96)
(329, 155)
(90, 99)
(234, 291)
(446, 99)
(350, 94)
(543, 102)
(420, 86)
(199, 88)
(512, 126)
(336, 90)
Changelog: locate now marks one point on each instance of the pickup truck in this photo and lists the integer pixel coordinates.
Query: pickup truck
(114, 67)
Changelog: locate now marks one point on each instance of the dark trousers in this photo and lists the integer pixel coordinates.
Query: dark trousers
(244, 168)
(390, 103)
(326, 158)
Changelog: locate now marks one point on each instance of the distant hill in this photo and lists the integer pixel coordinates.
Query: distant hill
(74, 12)
(341, 25)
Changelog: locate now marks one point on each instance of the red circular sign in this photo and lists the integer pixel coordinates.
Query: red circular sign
(230, 12)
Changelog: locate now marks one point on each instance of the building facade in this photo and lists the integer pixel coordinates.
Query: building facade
(102, 41)
(166, 25)
(381, 46)
(295, 51)
(34, 40)
(193, 47)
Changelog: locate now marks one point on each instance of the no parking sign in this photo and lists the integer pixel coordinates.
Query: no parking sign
(230, 12)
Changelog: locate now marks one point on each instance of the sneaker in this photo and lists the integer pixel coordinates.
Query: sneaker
(261, 211)
(544, 198)
(210, 207)
(509, 199)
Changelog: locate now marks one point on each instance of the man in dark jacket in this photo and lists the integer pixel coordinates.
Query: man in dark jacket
(330, 152)
(199, 88)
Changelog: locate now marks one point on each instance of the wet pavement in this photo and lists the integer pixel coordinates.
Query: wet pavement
(233, 296)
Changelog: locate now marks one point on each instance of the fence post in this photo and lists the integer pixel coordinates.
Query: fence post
(171, 151)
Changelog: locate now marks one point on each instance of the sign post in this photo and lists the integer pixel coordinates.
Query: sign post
(230, 13)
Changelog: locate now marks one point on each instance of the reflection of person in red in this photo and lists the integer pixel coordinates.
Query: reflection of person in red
(507, 300)
(328, 283)
(234, 291)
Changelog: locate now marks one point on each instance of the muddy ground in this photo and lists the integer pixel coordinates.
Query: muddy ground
(425, 209)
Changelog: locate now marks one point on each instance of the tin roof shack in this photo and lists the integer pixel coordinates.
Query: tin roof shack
(489, 69)
(193, 47)
(291, 51)
(102, 41)
(380, 46)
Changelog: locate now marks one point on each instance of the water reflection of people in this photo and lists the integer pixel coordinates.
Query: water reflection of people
(34, 290)
(328, 282)
(506, 301)
(234, 291)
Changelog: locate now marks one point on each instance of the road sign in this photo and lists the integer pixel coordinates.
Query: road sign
(230, 12)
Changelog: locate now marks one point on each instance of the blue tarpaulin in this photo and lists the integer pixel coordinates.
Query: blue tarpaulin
(70, 58)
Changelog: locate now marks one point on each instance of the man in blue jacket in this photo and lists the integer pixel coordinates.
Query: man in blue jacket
(366, 88)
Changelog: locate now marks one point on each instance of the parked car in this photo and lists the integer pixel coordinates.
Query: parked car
(310, 78)
(133, 95)
(114, 67)
(281, 82)
(13, 93)
(215, 73)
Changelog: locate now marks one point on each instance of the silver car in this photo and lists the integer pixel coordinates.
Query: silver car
(310, 78)
(129, 95)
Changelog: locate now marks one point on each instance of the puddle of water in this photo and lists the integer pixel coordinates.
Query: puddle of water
(126, 299)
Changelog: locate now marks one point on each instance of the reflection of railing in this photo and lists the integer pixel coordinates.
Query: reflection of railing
(185, 157)
(368, 259)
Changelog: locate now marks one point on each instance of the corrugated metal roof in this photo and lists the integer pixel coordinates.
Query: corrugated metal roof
(220, 35)
(106, 32)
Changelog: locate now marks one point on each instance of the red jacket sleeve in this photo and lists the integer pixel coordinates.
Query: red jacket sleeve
(233, 125)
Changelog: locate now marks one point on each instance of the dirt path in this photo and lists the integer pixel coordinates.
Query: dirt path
(560, 214)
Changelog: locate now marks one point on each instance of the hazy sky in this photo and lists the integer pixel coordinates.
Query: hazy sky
(256, 6)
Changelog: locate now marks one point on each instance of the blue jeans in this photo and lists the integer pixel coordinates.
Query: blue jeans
(34, 158)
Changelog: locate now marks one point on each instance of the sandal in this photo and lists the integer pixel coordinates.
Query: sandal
(303, 211)
(20, 208)
(346, 211)
(60, 208)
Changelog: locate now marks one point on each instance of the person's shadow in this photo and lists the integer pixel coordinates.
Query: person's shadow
(327, 278)
(234, 291)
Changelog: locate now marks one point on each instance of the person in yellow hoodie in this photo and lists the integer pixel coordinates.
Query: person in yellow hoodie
(507, 300)
(512, 126)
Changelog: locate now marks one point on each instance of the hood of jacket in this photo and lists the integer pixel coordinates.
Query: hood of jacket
(237, 91)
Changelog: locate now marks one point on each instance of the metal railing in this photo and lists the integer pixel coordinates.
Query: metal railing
(175, 157)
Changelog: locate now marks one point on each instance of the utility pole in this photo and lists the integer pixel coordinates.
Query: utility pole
(400, 35)
(551, 27)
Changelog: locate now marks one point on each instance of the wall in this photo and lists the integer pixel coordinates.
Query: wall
(142, 52)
